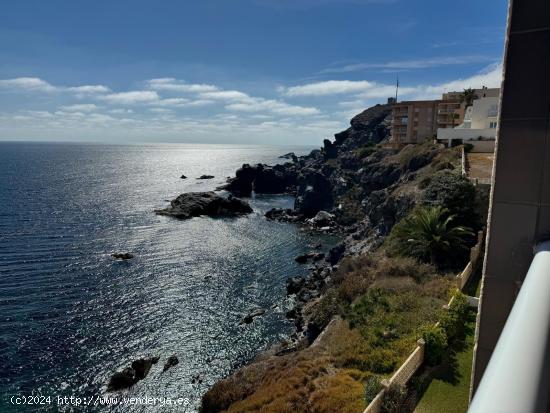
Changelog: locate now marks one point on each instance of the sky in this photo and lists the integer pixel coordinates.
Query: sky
(240, 71)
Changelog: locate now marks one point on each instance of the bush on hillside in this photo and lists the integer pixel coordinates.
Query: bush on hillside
(436, 344)
(394, 396)
(450, 190)
(372, 388)
(428, 234)
(453, 320)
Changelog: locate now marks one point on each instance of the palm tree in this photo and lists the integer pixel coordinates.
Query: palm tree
(468, 96)
(428, 233)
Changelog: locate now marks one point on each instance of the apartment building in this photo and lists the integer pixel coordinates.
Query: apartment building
(419, 120)
(414, 121)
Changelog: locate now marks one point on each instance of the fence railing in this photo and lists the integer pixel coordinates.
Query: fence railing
(517, 378)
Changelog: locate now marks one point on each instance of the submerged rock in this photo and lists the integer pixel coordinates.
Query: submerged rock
(294, 285)
(171, 362)
(194, 204)
(183, 177)
(122, 379)
(247, 319)
(142, 366)
(129, 376)
(206, 177)
(122, 255)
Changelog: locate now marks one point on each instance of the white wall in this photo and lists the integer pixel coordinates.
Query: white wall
(484, 111)
(465, 134)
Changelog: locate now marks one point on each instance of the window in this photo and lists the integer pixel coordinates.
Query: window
(492, 125)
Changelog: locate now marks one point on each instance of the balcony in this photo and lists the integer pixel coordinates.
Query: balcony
(517, 377)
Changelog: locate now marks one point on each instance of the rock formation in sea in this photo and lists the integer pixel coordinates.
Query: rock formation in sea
(194, 204)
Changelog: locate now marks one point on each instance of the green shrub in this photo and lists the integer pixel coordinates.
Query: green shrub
(365, 151)
(450, 190)
(428, 234)
(394, 396)
(468, 147)
(381, 361)
(372, 388)
(436, 343)
(453, 320)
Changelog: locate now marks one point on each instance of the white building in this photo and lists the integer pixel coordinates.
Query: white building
(479, 125)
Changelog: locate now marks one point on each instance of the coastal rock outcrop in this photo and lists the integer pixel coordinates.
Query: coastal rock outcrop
(171, 362)
(247, 319)
(262, 179)
(122, 255)
(206, 177)
(194, 204)
(129, 376)
(314, 193)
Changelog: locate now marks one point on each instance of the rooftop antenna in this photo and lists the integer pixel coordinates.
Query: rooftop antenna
(396, 88)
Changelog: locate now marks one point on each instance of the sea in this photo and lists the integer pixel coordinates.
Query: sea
(71, 315)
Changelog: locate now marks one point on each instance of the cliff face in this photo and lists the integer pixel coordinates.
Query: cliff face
(358, 187)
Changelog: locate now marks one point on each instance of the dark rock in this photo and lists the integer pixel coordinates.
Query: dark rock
(122, 255)
(193, 204)
(171, 362)
(131, 375)
(302, 258)
(294, 284)
(290, 155)
(183, 177)
(318, 257)
(322, 219)
(262, 179)
(314, 193)
(142, 366)
(279, 214)
(122, 379)
(247, 319)
(330, 151)
(206, 177)
(292, 314)
(336, 253)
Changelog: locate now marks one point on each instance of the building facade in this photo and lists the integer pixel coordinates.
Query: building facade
(419, 120)
(480, 123)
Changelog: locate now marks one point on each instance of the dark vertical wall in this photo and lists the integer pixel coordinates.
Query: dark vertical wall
(520, 200)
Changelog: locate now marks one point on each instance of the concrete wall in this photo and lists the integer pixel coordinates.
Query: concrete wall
(519, 214)
(482, 146)
(484, 111)
(463, 133)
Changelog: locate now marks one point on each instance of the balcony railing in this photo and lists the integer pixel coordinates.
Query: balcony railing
(517, 378)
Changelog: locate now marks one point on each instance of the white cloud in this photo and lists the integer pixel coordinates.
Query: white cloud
(174, 85)
(231, 95)
(491, 76)
(170, 102)
(119, 111)
(38, 85)
(131, 98)
(328, 87)
(412, 64)
(84, 107)
(27, 83)
(161, 110)
(274, 106)
(89, 89)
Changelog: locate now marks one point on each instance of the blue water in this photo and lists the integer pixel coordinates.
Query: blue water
(70, 315)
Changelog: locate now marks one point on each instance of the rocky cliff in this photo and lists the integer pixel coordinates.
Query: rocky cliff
(355, 185)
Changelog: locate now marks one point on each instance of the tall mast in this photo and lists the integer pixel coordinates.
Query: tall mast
(396, 88)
